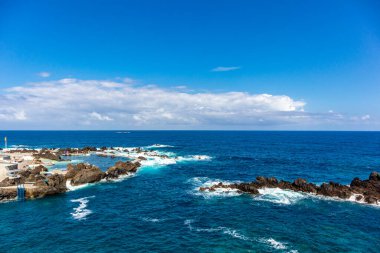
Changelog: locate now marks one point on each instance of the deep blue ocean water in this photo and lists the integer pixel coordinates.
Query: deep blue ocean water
(159, 209)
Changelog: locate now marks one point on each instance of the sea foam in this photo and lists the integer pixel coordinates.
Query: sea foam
(198, 182)
(194, 158)
(275, 244)
(279, 196)
(154, 220)
(77, 187)
(234, 233)
(153, 158)
(81, 212)
(224, 230)
(160, 146)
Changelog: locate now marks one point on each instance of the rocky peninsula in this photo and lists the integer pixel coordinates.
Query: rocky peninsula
(39, 182)
(363, 191)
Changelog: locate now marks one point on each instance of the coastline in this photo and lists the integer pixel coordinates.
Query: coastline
(40, 181)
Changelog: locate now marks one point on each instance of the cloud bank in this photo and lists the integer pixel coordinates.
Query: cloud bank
(224, 69)
(97, 104)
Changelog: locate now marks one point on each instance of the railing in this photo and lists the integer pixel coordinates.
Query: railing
(20, 192)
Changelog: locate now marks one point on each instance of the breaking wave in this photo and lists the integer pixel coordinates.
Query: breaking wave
(275, 244)
(194, 158)
(224, 230)
(73, 188)
(81, 212)
(198, 182)
(279, 196)
(18, 146)
(154, 220)
(151, 157)
(160, 146)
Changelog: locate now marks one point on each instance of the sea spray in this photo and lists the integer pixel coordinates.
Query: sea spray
(81, 212)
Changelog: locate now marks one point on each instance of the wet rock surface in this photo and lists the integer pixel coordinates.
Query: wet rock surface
(51, 185)
(364, 190)
(48, 154)
(77, 151)
(42, 183)
(122, 168)
(83, 173)
(7, 194)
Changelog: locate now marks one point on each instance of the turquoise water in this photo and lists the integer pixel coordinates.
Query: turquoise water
(160, 210)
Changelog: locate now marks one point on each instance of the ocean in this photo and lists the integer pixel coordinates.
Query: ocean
(160, 209)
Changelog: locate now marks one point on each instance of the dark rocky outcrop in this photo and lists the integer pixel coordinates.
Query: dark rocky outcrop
(22, 151)
(83, 173)
(76, 151)
(8, 182)
(365, 190)
(41, 185)
(48, 154)
(122, 168)
(7, 194)
(44, 186)
(38, 169)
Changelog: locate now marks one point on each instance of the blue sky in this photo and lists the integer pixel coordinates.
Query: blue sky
(325, 54)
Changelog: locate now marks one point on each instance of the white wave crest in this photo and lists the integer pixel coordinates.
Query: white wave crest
(273, 243)
(206, 182)
(18, 146)
(151, 157)
(279, 196)
(158, 161)
(225, 230)
(352, 198)
(188, 224)
(235, 234)
(160, 146)
(194, 158)
(77, 187)
(81, 211)
(119, 179)
(154, 220)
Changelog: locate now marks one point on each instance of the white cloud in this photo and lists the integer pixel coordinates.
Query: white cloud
(128, 80)
(98, 116)
(122, 105)
(44, 74)
(366, 117)
(86, 104)
(224, 69)
(12, 114)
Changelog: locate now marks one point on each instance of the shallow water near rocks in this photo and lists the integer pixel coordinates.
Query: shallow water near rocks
(160, 210)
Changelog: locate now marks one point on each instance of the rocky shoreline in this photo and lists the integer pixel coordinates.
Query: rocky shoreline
(41, 183)
(364, 191)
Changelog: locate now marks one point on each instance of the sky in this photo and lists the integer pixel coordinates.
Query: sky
(191, 65)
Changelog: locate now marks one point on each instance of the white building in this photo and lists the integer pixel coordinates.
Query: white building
(5, 157)
(7, 169)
